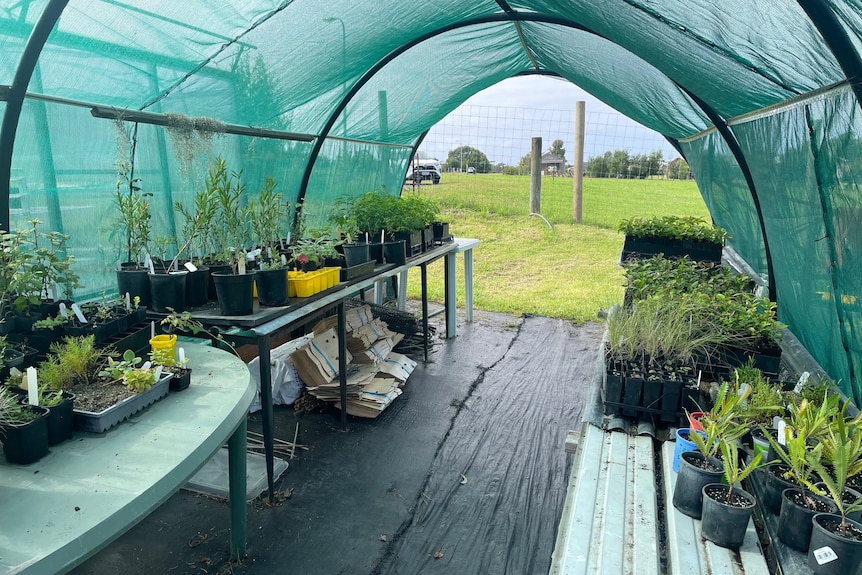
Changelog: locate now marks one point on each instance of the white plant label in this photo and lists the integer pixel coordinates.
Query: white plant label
(283, 260)
(824, 555)
(63, 311)
(803, 379)
(148, 262)
(182, 354)
(32, 386)
(147, 365)
(128, 301)
(241, 266)
(54, 292)
(78, 313)
(782, 432)
(190, 266)
(158, 372)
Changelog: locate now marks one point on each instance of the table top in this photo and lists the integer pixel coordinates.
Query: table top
(90, 489)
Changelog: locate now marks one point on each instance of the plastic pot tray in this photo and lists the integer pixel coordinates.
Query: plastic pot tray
(119, 412)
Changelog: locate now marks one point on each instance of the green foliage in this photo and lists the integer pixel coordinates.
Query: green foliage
(133, 220)
(199, 223)
(797, 454)
(268, 214)
(674, 227)
(557, 149)
(72, 360)
(116, 369)
(734, 470)
(621, 164)
(670, 276)
(139, 379)
(720, 424)
(232, 228)
(842, 448)
(12, 412)
(462, 157)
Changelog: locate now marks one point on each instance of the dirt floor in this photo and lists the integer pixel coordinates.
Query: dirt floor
(465, 473)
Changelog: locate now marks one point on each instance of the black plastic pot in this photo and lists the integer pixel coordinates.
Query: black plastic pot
(197, 287)
(394, 252)
(27, 442)
(182, 378)
(168, 291)
(235, 293)
(441, 230)
(135, 282)
(375, 252)
(688, 492)
(60, 420)
(215, 268)
(722, 523)
(355, 254)
(271, 287)
(774, 486)
(829, 553)
(794, 521)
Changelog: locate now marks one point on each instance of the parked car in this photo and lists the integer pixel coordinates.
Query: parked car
(471, 170)
(424, 171)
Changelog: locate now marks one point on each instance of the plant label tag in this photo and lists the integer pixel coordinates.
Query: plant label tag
(803, 379)
(147, 365)
(78, 313)
(190, 266)
(283, 260)
(128, 302)
(782, 429)
(182, 354)
(32, 386)
(148, 263)
(158, 372)
(63, 311)
(241, 266)
(824, 555)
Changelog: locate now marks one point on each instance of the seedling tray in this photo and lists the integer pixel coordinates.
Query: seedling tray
(104, 420)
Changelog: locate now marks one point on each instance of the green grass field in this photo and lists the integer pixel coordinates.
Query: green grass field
(524, 267)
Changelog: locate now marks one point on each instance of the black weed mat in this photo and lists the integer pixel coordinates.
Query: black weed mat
(464, 473)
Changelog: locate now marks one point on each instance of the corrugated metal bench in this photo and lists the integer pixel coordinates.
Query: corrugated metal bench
(619, 519)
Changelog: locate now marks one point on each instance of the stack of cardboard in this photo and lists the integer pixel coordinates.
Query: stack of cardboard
(375, 373)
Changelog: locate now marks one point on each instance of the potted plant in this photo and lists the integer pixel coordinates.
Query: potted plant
(842, 448)
(673, 236)
(23, 428)
(727, 508)
(268, 214)
(133, 225)
(199, 233)
(234, 288)
(343, 219)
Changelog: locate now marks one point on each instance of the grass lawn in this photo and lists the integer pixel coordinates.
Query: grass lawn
(521, 265)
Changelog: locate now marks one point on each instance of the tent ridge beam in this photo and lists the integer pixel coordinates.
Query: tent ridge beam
(527, 49)
(166, 120)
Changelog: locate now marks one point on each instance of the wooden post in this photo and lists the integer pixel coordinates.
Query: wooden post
(578, 166)
(536, 176)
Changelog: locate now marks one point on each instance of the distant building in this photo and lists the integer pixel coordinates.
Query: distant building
(553, 165)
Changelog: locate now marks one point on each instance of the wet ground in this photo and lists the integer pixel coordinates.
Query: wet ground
(465, 473)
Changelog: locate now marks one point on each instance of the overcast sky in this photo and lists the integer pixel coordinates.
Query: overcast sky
(500, 121)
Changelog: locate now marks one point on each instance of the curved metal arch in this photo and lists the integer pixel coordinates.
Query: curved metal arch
(15, 98)
(380, 64)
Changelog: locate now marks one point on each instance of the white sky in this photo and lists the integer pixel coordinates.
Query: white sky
(500, 121)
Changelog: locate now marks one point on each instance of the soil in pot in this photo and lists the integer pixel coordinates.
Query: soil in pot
(725, 518)
(794, 521)
(833, 551)
(695, 471)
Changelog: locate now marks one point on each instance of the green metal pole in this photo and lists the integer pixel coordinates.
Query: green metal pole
(237, 480)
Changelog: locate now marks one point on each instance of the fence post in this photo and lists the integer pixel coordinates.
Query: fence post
(536, 176)
(578, 165)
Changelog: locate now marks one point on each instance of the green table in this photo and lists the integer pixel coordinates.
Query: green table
(87, 491)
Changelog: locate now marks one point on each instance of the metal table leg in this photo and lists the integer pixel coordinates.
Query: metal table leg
(424, 269)
(237, 489)
(449, 292)
(266, 409)
(342, 363)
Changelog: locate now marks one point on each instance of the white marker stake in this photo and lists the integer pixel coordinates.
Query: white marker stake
(152, 330)
(63, 311)
(78, 313)
(182, 355)
(32, 388)
(782, 427)
(128, 302)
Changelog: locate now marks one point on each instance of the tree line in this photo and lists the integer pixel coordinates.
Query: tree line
(611, 164)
